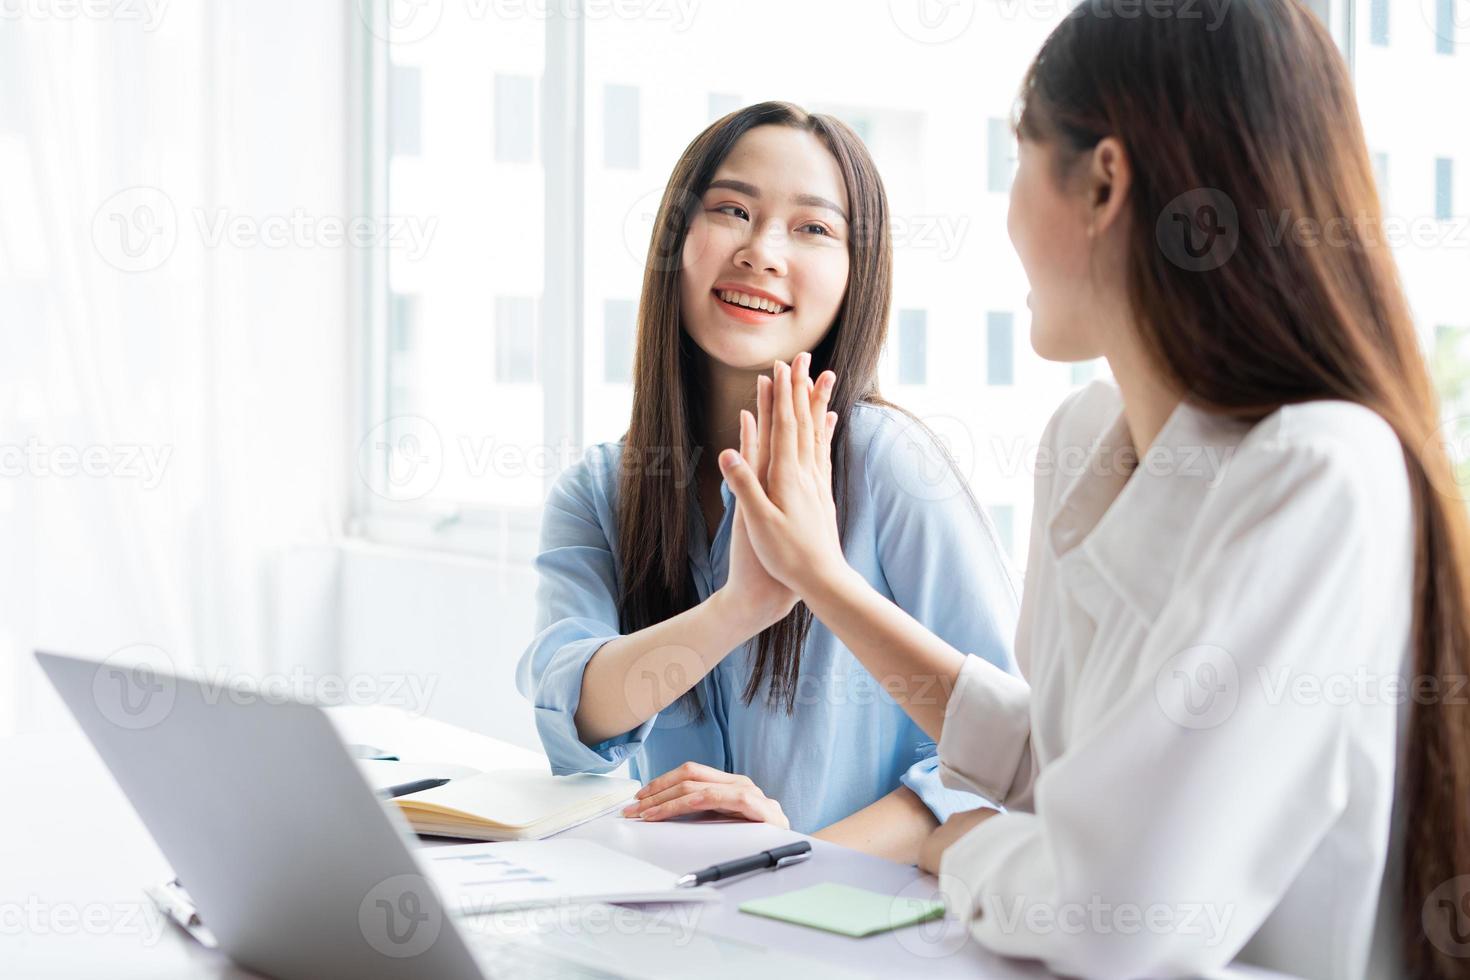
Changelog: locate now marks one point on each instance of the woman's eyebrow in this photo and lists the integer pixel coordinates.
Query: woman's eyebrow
(738, 186)
(750, 190)
(813, 201)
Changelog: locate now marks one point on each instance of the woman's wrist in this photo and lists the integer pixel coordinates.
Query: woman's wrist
(931, 852)
(739, 618)
(834, 586)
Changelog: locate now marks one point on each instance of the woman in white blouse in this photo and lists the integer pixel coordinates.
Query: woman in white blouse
(1242, 732)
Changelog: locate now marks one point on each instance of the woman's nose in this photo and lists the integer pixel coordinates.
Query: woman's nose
(766, 250)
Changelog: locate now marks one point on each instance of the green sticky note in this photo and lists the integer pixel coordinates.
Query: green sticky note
(844, 909)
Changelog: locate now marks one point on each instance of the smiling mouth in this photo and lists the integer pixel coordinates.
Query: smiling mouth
(755, 304)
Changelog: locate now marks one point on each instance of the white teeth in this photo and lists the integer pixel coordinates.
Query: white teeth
(751, 302)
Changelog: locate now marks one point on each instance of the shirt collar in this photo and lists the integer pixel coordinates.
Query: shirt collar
(1129, 519)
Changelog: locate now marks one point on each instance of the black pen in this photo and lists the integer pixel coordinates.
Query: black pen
(776, 857)
(417, 786)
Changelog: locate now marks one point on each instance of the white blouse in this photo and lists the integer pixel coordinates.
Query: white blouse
(1199, 764)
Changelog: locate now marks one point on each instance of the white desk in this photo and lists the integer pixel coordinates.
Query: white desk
(71, 870)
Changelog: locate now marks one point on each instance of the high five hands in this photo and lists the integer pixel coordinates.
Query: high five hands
(785, 498)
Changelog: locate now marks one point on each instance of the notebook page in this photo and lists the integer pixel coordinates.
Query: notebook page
(520, 798)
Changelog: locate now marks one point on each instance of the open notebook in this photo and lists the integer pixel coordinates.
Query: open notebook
(507, 804)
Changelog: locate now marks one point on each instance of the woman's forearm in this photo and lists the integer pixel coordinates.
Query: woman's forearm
(915, 667)
(894, 827)
(633, 677)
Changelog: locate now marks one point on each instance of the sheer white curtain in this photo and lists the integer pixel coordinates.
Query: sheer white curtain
(173, 354)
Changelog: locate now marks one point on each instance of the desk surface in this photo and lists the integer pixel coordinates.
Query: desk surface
(71, 903)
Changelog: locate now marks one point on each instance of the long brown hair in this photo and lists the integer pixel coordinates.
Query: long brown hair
(1248, 106)
(667, 424)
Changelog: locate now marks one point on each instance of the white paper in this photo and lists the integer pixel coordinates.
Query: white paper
(475, 879)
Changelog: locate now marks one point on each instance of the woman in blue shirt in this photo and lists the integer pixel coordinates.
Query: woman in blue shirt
(661, 639)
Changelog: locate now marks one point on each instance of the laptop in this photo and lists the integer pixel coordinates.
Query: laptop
(333, 888)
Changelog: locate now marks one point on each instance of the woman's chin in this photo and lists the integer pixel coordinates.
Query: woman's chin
(1059, 345)
(741, 353)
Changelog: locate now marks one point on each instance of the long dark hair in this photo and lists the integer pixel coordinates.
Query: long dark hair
(654, 501)
(1249, 104)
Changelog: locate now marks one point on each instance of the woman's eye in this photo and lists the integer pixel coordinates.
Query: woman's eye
(814, 229)
(734, 210)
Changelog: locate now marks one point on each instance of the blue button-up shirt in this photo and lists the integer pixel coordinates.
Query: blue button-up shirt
(913, 532)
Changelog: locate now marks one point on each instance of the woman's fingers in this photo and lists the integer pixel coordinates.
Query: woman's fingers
(746, 802)
(824, 446)
(749, 494)
(783, 422)
(763, 416)
(687, 787)
(748, 445)
(824, 421)
(801, 405)
(684, 798)
(682, 776)
(688, 771)
(822, 396)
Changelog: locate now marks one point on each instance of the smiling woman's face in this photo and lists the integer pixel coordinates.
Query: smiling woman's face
(765, 260)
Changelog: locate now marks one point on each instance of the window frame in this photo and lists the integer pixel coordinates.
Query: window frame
(500, 532)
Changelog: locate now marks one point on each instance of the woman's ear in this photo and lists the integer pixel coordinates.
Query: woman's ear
(1109, 180)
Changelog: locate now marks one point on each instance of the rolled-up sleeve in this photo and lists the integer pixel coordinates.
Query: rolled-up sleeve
(986, 743)
(576, 613)
(943, 797)
(943, 564)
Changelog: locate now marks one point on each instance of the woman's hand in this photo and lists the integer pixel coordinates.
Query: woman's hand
(957, 826)
(696, 788)
(761, 599)
(789, 513)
